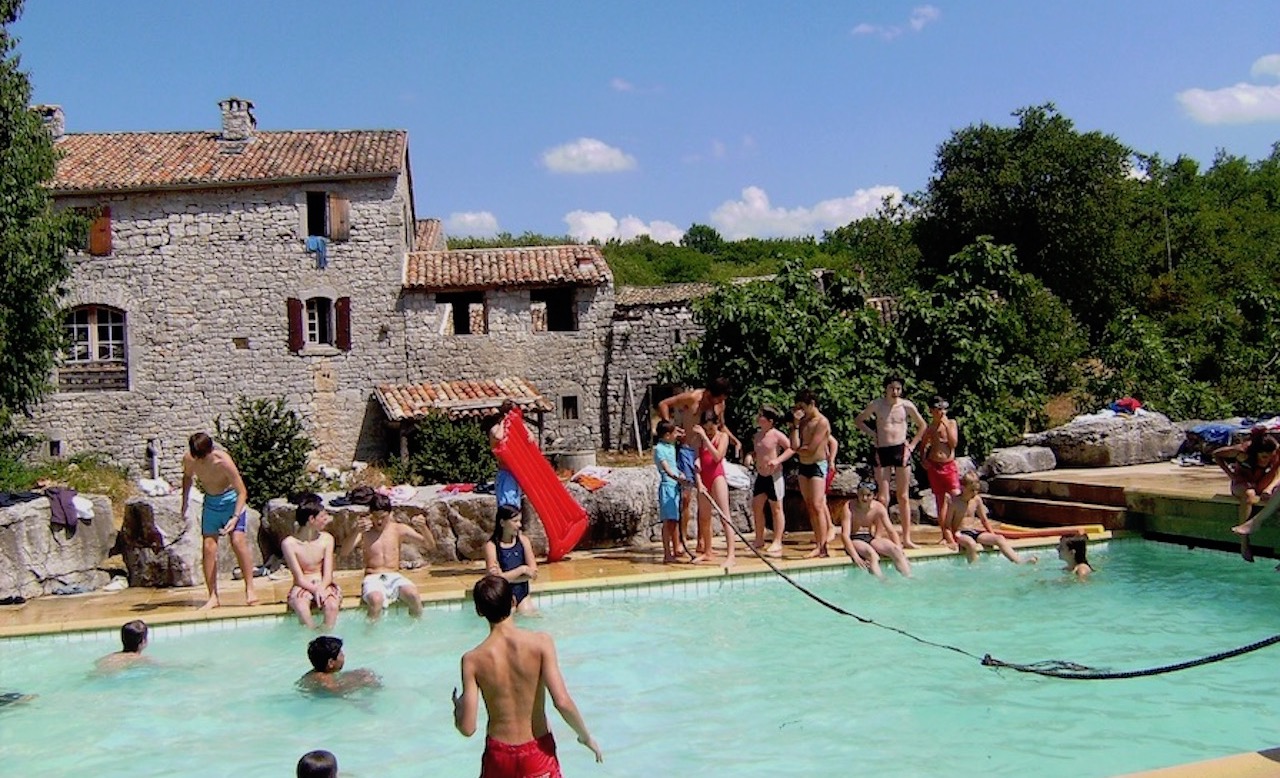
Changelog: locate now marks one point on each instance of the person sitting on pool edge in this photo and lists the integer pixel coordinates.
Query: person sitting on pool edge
(966, 510)
(317, 764)
(509, 554)
(326, 675)
(309, 554)
(133, 638)
(1072, 549)
(381, 536)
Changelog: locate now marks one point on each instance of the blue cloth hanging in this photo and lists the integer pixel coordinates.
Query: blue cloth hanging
(320, 245)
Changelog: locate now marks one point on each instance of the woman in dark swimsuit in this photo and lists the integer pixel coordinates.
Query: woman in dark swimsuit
(509, 553)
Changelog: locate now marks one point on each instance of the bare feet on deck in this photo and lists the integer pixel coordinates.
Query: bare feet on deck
(774, 551)
(728, 563)
(817, 553)
(210, 604)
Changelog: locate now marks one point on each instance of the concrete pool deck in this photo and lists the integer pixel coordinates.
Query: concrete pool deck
(1194, 499)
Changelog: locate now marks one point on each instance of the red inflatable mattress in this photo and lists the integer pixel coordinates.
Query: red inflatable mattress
(564, 520)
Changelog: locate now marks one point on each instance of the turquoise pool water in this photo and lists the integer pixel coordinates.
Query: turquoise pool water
(745, 678)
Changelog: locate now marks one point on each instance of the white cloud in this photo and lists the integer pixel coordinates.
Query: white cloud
(1266, 66)
(754, 216)
(921, 17)
(587, 155)
(621, 85)
(477, 224)
(601, 225)
(1239, 104)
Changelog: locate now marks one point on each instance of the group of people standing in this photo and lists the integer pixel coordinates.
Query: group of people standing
(693, 443)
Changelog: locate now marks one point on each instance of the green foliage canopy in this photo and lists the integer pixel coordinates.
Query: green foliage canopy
(269, 445)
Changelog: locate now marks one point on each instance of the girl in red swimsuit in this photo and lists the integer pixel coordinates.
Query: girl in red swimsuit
(711, 443)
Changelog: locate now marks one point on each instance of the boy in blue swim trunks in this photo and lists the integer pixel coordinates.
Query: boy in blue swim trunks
(224, 511)
(670, 480)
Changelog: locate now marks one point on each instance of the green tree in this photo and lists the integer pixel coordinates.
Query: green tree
(880, 249)
(34, 238)
(446, 451)
(702, 238)
(1057, 195)
(269, 445)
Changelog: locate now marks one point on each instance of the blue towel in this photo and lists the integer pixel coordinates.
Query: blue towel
(320, 245)
(1216, 432)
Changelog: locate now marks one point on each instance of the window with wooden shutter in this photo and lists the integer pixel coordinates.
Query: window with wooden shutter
(339, 218)
(100, 234)
(297, 335)
(342, 311)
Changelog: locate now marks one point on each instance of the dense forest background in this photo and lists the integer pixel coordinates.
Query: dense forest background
(1039, 263)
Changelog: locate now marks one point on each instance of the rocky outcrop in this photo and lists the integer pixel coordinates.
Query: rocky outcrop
(163, 548)
(1108, 441)
(37, 559)
(1018, 459)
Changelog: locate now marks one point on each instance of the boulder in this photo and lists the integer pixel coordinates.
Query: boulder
(1097, 440)
(162, 548)
(1018, 459)
(37, 559)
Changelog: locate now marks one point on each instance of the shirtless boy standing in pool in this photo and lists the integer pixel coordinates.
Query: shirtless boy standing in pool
(893, 452)
(224, 511)
(382, 535)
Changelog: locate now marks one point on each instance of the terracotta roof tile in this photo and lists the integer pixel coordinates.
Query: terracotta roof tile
(457, 399)
(151, 160)
(493, 268)
(429, 236)
(667, 294)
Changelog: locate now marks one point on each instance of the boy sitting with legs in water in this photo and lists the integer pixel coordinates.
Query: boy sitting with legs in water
(966, 514)
(867, 534)
(381, 536)
(309, 554)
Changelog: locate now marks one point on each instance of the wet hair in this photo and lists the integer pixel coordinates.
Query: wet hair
(719, 387)
(201, 445)
(323, 650)
(504, 512)
(380, 503)
(894, 379)
(664, 428)
(1076, 544)
(493, 598)
(132, 635)
(771, 413)
(806, 397)
(867, 486)
(318, 764)
(1259, 443)
(709, 417)
(310, 507)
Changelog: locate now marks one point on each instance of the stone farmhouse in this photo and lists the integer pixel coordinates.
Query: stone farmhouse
(260, 264)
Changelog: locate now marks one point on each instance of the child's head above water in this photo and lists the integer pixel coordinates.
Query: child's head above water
(325, 653)
(133, 636)
(1072, 549)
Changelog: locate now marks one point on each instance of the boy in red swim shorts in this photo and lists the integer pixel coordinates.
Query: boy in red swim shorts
(514, 670)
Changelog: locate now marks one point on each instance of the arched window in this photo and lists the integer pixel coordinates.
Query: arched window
(97, 352)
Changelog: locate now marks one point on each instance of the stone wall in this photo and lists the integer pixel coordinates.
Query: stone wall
(641, 338)
(202, 278)
(560, 364)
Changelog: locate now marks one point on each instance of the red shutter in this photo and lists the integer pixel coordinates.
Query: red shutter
(343, 336)
(339, 218)
(297, 335)
(100, 234)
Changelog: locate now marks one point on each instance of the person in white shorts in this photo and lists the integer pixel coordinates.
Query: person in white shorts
(381, 536)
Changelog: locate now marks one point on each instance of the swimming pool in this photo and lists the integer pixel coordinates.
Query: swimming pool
(731, 676)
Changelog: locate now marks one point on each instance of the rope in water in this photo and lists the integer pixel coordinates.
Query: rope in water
(1052, 668)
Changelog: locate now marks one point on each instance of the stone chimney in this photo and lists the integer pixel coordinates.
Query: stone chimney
(54, 120)
(238, 122)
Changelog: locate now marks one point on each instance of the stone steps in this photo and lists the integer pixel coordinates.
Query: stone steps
(1035, 511)
(1097, 494)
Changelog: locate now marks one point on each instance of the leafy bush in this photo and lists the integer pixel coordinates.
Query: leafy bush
(444, 450)
(269, 445)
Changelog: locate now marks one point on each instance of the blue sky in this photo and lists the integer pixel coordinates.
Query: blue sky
(608, 119)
